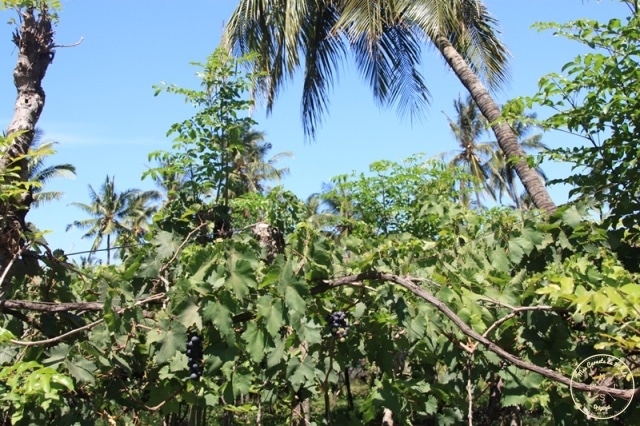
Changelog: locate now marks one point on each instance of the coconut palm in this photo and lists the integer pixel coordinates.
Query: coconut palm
(39, 172)
(474, 157)
(506, 182)
(114, 213)
(385, 38)
(484, 162)
(250, 170)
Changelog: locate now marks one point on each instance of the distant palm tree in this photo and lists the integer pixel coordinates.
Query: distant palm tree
(485, 163)
(250, 169)
(39, 172)
(473, 156)
(114, 214)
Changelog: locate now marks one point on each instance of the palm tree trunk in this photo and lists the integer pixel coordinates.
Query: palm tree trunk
(34, 40)
(507, 140)
(108, 248)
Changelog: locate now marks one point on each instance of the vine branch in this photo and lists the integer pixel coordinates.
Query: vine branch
(409, 284)
(84, 327)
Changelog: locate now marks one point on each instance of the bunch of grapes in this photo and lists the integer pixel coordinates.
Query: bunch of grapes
(338, 324)
(194, 353)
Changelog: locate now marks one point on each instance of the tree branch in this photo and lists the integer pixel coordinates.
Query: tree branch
(546, 372)
(6, 305)
(84, 327)
(408, 283)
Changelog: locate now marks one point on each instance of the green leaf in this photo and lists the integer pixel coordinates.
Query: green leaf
(255, 340)
(6, 335)
(294, 302)
(172, 337)
(221, 317)
(276, 355)
(166, 244)
(241, 278)
(515, 251)
(57, 354)
(572, 217)
(299, 373)
(271, 310)
(81, 369)
(188, 314)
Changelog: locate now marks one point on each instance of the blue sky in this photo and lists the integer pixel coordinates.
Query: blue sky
(101, 109)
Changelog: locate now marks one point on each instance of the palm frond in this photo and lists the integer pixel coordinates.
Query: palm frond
(323, 53)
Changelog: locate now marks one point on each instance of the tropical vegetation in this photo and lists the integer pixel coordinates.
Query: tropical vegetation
(382, 299)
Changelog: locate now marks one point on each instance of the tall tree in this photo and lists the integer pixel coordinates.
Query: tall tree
(114, 213)
(385, 38)
(35, 44)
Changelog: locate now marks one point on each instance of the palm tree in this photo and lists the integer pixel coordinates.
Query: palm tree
(385, 38)
(474, 157)
(490, 172)
(506, 183)
(40, 173)
(250, 169)
(114, 213)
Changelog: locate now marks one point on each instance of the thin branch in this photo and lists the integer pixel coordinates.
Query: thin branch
(180, 247)
(57, 338)
(9, 266)
(6, 305)
(514, 312)
(70, 45)
(84, 327)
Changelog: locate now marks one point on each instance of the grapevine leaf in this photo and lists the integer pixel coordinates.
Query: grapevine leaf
(572, 217)
(309, 332)
(300, 373)
(188, 314)
(241, 383)
(220, 316)
(515, 252)
(276, 354)
(241, 278)
(271, 310)
(166, 244)
(57, 354)
(5, 335)
(255, 340)
(171, 336)
(293, 299)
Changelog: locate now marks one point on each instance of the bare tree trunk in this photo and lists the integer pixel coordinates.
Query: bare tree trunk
(301, 409)
(35, 43)
(507, 140)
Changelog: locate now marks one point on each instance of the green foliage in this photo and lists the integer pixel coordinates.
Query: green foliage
(205, 144)
(30, 389)
(594, 97)
(435, 294)
(13, 4)
(12, 187)
(550, 292)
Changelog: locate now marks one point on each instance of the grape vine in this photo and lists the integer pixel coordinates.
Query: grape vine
(194, 354)
(338, 325)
